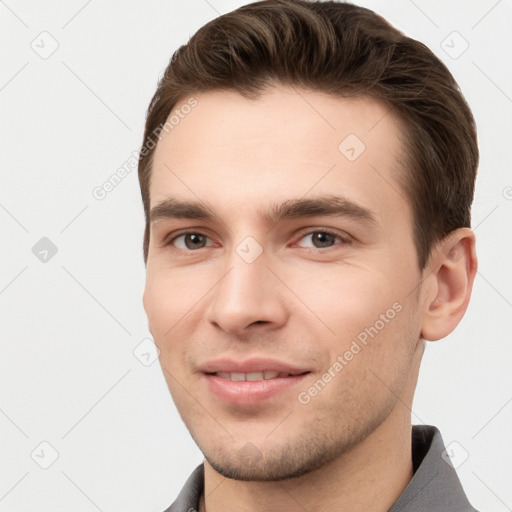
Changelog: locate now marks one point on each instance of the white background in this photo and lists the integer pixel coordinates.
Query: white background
(70, 325)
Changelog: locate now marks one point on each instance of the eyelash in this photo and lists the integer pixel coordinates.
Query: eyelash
(344, 239)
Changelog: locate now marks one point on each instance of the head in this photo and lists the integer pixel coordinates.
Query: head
(323, 166)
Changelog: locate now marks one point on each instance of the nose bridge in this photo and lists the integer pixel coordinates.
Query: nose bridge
(247, 280)
(247, 293)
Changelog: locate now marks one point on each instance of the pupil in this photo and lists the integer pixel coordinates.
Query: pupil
(192, 241)
(322, 239)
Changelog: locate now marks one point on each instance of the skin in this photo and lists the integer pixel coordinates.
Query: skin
(348, 448)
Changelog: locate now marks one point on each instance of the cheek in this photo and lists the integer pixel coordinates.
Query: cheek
(169, 295)
(369, 367)
(172, 300)
(364, 318)
(158, 304)
(346, 300)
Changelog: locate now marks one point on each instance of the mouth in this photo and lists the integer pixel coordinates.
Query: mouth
(251, 382)
(254, 376)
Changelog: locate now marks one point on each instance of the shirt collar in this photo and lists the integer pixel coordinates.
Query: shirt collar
(434, 487)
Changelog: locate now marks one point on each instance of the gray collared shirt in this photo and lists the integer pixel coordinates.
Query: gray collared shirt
(434, 487)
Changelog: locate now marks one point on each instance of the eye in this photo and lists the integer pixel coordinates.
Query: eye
(190, 241)
(321, 239)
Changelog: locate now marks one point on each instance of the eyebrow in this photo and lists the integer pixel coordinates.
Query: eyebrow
(332, 206)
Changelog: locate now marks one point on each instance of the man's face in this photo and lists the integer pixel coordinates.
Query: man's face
(288, 318)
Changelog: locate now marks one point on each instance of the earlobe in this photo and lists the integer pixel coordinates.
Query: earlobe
(452, 271)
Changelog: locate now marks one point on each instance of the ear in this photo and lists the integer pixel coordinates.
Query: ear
(449, 279)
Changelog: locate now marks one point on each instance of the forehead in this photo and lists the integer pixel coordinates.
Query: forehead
(230, 151)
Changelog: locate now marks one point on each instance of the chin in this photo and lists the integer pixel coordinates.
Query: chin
(250, 464)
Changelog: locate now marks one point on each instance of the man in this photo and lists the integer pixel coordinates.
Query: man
(307, 173)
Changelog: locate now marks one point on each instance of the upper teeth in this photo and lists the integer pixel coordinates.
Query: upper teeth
(251, 376)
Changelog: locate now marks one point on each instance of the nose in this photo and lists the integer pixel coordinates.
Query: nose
(249, 297)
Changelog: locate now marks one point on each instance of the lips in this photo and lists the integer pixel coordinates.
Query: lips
(250, 382)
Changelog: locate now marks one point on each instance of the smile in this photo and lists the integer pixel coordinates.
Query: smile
(252, 381)
(253, 376)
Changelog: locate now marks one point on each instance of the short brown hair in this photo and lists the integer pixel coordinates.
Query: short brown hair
(347, 51)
